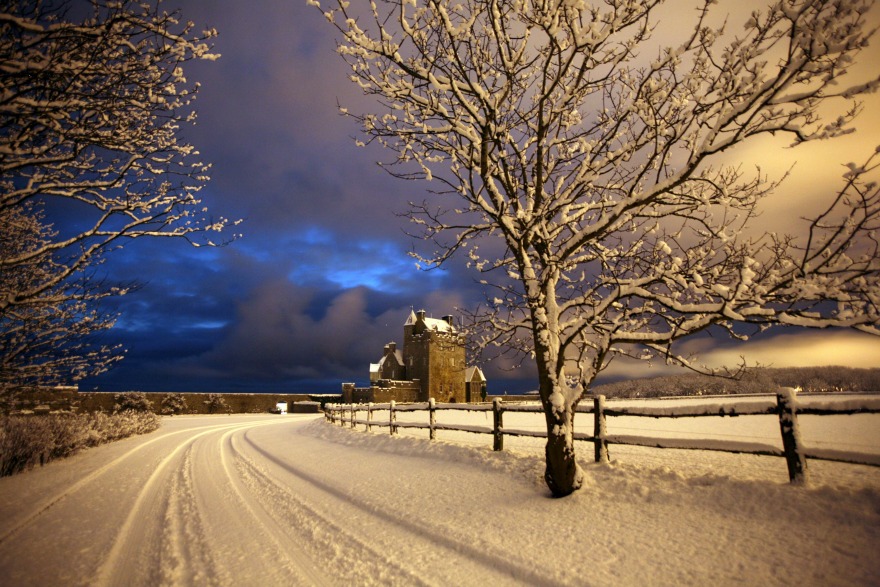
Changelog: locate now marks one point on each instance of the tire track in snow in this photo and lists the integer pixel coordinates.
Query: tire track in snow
(460, 545)
(51, 501)
(185, 558)
(111, 571)
(297, 565)
(322, 535)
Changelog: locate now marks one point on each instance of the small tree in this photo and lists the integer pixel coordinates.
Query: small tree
(174, 403)
(93, 100)
(571, 153)
(216, 403)
(136, 401)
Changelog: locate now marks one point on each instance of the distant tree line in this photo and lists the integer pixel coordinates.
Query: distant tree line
(759, 380)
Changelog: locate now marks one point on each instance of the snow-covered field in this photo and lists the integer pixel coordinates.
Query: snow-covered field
(287, 500)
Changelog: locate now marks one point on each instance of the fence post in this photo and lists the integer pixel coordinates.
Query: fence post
(432, 419)
(786, 401)
(369, 416)
(352, 414)
(600, 429)
(498, 427)
(392, 418)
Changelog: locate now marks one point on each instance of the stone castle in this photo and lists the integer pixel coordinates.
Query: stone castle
(431, 364)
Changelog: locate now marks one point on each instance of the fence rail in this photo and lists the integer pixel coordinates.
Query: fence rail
(785, 406)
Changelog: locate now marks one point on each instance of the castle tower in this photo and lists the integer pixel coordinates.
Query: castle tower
(433, 353)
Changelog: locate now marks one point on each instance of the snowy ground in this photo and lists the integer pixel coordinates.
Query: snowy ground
(287, 500)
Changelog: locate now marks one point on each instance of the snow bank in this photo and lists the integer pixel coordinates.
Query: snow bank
(662, 516)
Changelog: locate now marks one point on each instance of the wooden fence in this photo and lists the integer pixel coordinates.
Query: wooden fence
(785, 407)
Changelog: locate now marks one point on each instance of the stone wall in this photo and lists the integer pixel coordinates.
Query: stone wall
(237, 403)
(383, 391)
(45, 400)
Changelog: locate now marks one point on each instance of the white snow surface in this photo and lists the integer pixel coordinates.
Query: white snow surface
(293, 500)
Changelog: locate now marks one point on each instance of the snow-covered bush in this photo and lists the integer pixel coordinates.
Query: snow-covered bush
(132, 400)
(26, 441)
(216, 403)
(173, 403)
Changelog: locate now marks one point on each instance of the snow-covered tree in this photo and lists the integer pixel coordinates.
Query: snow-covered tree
(174, 403)
(216, 403)
(132, 400)
(52, 338)
(92, 103)
(583, 164)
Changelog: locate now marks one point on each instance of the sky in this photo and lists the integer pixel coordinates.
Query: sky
(321, 278)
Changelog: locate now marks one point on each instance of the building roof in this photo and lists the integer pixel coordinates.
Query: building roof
(432, 323)
(474, 374)
(397, 355)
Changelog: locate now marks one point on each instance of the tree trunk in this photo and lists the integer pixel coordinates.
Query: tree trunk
(562, 473)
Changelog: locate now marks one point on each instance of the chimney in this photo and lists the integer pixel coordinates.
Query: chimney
(390, 348)
(449, 319)
(421, 315)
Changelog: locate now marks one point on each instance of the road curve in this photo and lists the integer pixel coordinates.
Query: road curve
(224, 500)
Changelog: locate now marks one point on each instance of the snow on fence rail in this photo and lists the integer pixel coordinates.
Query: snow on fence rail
(785, 407)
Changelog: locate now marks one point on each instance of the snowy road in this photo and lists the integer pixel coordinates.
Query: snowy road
(219, 500)
(289, 500)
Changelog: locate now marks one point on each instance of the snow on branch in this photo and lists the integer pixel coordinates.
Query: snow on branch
(580, 166)
(91, 106)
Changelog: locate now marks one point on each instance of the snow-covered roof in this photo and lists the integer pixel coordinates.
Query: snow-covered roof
(432, 323)
(471, 371)
(397, 354)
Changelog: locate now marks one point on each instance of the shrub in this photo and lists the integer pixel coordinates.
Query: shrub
(26, 441)
(216, 403)
(132, 400)
(173, 403)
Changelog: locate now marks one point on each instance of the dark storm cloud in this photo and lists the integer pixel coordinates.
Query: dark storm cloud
(283, 157)
(321, 278)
